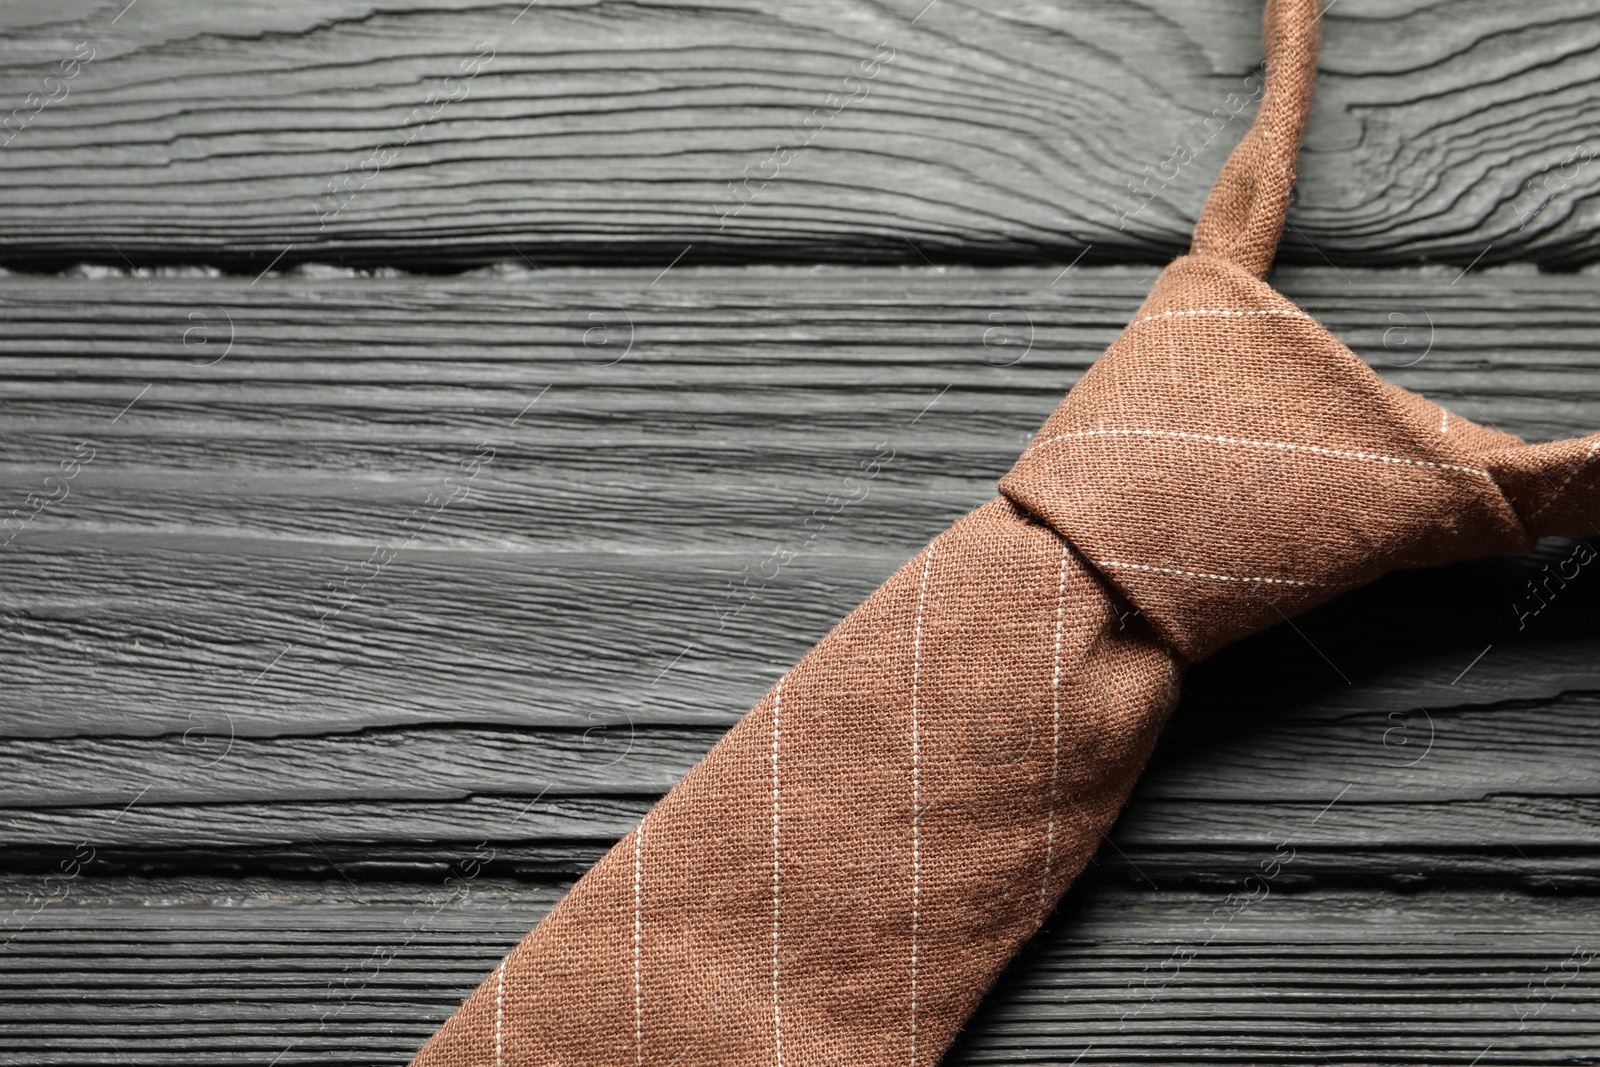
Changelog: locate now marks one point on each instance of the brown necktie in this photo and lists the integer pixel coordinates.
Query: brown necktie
(843, 876)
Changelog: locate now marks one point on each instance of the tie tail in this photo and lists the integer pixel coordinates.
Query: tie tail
(1554, 487)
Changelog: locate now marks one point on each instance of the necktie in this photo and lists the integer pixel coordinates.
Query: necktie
(849, 868)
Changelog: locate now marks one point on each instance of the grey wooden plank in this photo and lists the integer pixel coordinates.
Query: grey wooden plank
(463, 132)
(1534, 843)
(1538, 843)
(1501, 794)
(1442, 754)
(187, 572)
(415, 737)
(549, 653)
(198, 971)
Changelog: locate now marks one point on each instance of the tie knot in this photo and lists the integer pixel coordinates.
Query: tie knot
(1229, 463)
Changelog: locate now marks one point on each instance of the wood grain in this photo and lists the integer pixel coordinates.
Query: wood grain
(200, 972)
(547, 654)
(462, 132)
(367, 610)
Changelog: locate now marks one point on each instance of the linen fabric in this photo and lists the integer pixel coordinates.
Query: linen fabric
(849, 868)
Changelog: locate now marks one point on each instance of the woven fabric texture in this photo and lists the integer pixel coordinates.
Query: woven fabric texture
(846, 872)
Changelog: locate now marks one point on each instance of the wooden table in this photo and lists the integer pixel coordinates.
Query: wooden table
(300, 737)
